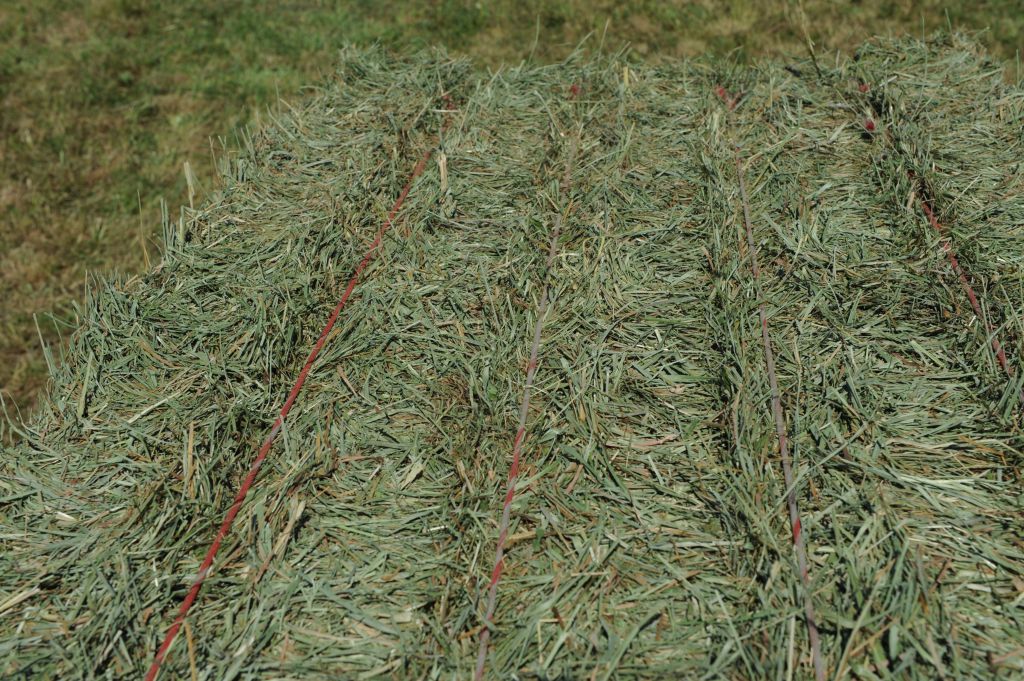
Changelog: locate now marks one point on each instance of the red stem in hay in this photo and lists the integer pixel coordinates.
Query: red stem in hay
(780, 430)
(517, 443)
(727, 98)
(250, 478)
(958, 270)
(954, 264)
(780, 422)
(513, 472)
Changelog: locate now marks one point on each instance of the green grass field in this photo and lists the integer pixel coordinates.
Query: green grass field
(102, 102)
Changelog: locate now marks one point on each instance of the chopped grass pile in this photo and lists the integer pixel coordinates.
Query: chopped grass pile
(649, 536)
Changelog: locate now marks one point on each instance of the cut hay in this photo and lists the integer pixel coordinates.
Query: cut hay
(649, 534)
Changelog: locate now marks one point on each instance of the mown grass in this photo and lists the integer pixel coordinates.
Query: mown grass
(103, 101)
(648, 537)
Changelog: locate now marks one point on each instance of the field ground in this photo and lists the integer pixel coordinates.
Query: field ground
(104, 101)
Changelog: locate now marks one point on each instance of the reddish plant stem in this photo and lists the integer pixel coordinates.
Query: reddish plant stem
(513, 472)
(254, 468)
(524, 408)
(954, 264)
(780, 430)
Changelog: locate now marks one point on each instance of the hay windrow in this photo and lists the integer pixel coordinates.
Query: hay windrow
(649, 537)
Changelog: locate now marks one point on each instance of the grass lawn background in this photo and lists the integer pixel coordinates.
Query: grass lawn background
(102, 102)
